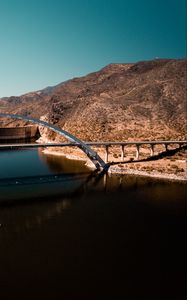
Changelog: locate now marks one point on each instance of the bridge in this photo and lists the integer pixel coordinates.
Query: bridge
(85, 146)
(92, 155)
(105, 145)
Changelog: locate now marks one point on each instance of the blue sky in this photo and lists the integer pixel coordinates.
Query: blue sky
(45, 42)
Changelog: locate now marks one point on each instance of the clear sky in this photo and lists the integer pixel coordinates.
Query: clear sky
(45, 42)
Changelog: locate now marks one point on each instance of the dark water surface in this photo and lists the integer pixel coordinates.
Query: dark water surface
(66, 233)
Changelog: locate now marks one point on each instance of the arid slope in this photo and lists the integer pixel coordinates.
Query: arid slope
(142, 101)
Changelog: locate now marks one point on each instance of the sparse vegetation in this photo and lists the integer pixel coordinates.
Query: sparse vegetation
(131, 105)
(121, 102)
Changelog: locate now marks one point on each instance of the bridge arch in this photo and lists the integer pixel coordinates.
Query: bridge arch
(92, 155)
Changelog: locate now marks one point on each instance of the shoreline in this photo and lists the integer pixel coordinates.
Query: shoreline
(155, 174)
(116, 170)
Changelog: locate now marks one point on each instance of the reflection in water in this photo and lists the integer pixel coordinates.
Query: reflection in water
(64, 235)
(60, 183)
(60, 164)
(12, 217)
(44, 199)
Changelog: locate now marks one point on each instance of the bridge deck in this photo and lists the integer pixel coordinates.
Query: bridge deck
(44, 145)
(84, 146)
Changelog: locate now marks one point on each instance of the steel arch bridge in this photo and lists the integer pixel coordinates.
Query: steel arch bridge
(92, 155)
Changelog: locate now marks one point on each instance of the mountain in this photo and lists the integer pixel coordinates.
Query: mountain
(142, 101)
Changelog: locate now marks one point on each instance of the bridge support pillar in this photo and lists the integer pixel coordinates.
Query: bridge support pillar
(166, 147)
(152, 149)
(180, 146)
(122, 153)
(106, 153)
(137, 151)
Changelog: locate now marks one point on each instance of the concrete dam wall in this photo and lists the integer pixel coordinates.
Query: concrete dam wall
(19, 133)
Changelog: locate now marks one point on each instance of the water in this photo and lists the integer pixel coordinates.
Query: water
(65, 233)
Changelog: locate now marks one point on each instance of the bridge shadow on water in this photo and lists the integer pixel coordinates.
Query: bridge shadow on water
(89, 228)
(29, 189)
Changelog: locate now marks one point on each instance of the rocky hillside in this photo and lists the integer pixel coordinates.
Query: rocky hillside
(142, 101)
